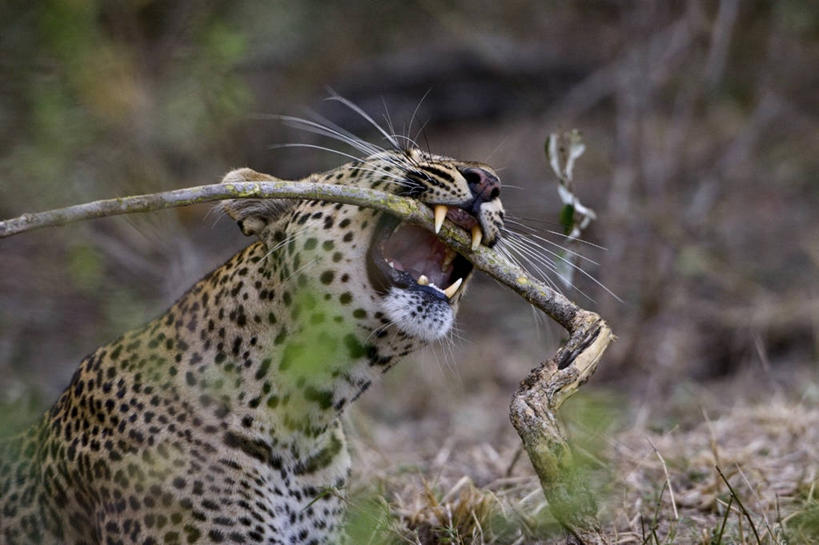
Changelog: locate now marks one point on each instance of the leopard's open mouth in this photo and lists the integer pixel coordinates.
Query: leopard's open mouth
(411, 257)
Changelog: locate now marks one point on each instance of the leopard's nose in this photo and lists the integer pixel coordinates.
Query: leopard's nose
(484, 186)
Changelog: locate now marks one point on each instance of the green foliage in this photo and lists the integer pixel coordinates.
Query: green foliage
(369, 520)
(805, 524)
(586, 474)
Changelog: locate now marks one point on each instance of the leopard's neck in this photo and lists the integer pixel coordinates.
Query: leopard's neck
(273, 358)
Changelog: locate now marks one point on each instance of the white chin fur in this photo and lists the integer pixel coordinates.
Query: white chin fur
(417, 315)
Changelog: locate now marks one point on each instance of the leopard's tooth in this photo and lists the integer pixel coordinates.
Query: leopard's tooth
(423, 280)
(477, 236)
(440, 215)
(432, 285)
(450, 291)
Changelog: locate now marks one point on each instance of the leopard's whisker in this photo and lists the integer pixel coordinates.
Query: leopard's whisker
(387, 118)
(517, 221)
(412, 118)
(314, 146)
(530, 262)
(538, 317)
(407, 140)
(549, 264)
(532, 238)
(277, 246)
(445, 356)
(326, 128)
(419, 131)
(577, 239)
(379, 329)
(568, 262)
(354, 107)
(524, 250)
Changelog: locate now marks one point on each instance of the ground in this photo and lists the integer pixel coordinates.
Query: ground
(446, 482)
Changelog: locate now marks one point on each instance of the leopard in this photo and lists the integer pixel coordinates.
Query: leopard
(220, 421)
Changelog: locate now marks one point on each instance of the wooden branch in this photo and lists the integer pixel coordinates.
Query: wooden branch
(533, 412)
(534, 406)
(554, 304)
(200, 194)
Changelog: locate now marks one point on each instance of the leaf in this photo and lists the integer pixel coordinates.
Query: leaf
(567, 218)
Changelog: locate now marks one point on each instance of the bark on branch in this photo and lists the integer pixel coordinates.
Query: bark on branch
(534, 406)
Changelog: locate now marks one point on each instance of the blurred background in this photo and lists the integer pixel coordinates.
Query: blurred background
(702, 132)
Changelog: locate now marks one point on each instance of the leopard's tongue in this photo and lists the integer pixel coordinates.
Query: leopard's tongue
(419, 252)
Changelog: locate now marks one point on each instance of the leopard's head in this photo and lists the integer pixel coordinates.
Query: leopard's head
(384, 273)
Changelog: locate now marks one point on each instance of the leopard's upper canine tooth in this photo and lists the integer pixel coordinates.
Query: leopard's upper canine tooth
(423, 280)
(440, 215)
(450, 291)
(477, 236)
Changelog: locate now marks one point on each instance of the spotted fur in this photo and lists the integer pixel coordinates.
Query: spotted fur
(218, 422)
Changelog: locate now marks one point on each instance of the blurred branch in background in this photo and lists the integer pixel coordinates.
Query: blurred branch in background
(697, 124)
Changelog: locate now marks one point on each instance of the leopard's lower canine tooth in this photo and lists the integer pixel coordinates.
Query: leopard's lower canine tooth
(477, 236)
(450, 291)
(423, 280)
(440, 214)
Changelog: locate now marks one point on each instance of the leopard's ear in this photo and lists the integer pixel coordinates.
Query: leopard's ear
(253, 215)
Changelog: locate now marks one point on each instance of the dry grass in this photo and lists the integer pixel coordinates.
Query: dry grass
(745, 474)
